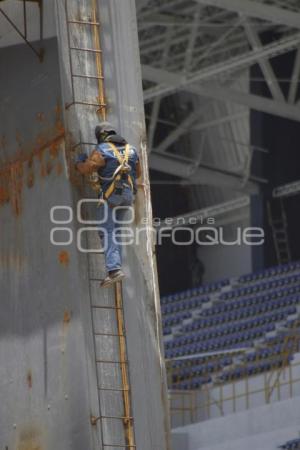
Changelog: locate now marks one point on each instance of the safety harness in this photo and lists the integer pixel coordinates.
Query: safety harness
(121, 175)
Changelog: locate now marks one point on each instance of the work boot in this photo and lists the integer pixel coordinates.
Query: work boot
(113, 277)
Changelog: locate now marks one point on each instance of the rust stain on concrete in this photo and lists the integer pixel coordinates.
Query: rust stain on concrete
(59, 168)
(19, 172)
(29, 439)
(64, 258)
(53, 150)
(67, 317)
(30, 180)
(4, 195)
(43, 171)
(13, 261)
(49, 167)
(58, 109)
(60, 127)
(15, 187)
(41, 140)
(29, 379)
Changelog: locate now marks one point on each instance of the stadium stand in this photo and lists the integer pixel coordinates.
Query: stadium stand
(233, 328)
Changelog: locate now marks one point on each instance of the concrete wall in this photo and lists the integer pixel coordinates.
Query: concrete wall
(226, 261)
(48, 375)
(142, 305)
(221, 147)
(262, 428)
(44, 350)
(124, 98)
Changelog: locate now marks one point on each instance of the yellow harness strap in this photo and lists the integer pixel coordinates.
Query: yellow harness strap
(123, 160)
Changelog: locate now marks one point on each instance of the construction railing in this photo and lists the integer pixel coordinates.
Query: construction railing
(226, 390)
(218, 399)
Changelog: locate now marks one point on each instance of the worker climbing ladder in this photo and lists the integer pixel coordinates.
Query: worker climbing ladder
(116, 423)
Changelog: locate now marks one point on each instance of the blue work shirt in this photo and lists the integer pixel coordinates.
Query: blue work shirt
(112, 163)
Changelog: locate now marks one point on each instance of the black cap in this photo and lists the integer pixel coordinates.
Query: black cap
(104, 127)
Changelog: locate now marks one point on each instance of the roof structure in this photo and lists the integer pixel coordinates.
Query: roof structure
(200, 52)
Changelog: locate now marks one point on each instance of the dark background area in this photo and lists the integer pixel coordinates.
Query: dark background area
(281, 138)
(280, 166)
(174, 262)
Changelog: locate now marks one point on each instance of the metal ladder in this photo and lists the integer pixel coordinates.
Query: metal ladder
(278, 222)
(113, 304)
(93, 25)
(119, 366)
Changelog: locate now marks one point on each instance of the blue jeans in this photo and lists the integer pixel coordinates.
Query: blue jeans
(113, 250)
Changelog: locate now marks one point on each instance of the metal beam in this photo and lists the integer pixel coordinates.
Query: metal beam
(188, 125)
(210, 123)
(165, 20)
(295, 79)
(188, 169)
(264, 63)
(153, 122)
(214, 211)
(221, 120)
(157, 101)
(192, 40)
(218, 92)
(232, 152)
(38, 52)
(235, 43)
(252, 101)
(179, 131)
(252, 8)
(218, 42)
(153, 43)
(162, 7)
(177, 82)
(287, 190)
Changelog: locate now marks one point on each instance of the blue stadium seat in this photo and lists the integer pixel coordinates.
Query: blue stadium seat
(234, 321)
